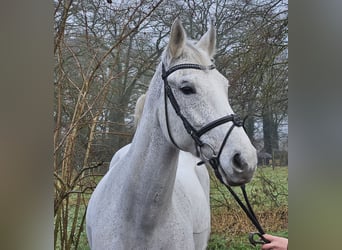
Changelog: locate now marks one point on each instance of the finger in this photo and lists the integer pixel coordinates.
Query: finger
(269, 237)
(267, 246)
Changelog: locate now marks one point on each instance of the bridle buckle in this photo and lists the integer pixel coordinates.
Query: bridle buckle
(237, 120)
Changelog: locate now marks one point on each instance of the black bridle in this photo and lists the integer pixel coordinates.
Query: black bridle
(194, 133)
(214, 159)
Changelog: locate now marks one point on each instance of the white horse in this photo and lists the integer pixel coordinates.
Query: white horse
(192, 180)
(144, 202)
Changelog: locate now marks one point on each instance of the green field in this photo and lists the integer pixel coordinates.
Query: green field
(268, 193)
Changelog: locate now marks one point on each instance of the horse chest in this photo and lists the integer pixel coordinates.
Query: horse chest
(195, 193)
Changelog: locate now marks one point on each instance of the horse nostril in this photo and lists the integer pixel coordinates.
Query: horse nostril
(237, 161)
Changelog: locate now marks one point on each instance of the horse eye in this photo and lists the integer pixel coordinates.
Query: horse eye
(188, 90)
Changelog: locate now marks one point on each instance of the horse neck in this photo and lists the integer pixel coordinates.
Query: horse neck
(152, 166)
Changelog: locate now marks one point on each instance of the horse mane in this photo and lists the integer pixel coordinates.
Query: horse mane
(139, 106)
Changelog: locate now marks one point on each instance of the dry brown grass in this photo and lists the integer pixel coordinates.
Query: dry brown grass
(234, 222)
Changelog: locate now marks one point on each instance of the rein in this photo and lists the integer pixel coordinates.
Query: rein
(214, 158)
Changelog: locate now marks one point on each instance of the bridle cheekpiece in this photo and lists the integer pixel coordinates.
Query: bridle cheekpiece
(193, 132)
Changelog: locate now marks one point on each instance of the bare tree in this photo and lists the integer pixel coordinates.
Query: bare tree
(92, 39)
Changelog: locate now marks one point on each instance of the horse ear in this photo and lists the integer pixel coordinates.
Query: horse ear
(177, 39)
(208, 41)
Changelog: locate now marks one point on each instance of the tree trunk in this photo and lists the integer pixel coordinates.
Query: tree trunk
(270, 129)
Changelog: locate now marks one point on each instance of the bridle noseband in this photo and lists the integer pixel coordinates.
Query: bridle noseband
(214, 159)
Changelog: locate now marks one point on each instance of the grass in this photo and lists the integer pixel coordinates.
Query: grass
(220, 242)
(268, 192)
(230, 227)
(83, 242)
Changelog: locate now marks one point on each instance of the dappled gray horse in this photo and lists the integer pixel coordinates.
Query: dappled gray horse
(144, 202)
(192, 180)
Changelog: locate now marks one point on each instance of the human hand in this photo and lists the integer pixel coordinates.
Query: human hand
(276, 243)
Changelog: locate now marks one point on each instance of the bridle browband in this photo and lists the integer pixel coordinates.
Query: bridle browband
(214, 159)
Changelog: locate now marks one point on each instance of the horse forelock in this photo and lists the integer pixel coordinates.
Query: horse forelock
(191, 54)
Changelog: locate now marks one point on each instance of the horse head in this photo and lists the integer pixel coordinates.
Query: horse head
(195, 114)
